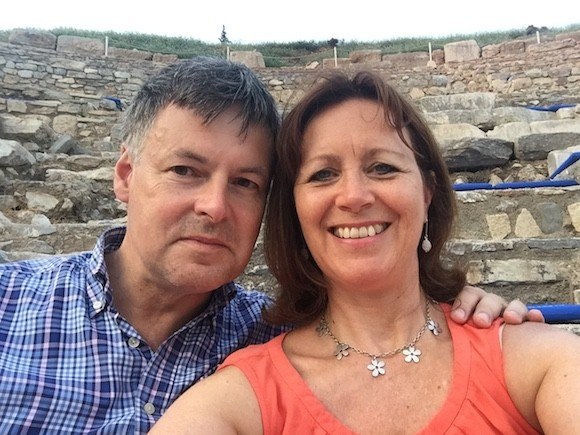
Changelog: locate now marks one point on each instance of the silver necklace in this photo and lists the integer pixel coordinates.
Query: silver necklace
(377, 367)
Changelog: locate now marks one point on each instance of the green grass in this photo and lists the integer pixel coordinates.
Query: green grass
(278, 54)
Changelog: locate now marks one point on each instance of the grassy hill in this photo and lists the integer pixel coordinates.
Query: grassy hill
(277, 54)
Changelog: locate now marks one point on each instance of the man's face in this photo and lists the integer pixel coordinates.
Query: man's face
(195, 199)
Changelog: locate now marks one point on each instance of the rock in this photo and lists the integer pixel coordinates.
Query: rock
(33, 37)
(461, 51)
(12, 153)
(474, 154)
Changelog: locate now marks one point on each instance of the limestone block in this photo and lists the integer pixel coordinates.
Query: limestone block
(549, 217)
(40, 201)
(510, 131)
(566, 113)
(12, 153)
(503, 115)
(556, 126)
(252, 59)
(466, 101)
(365, 56)
(462, 51)
(130, 53)
(526, 226)
(520, 84)
(33, 37)
(512, 271)
(574, 212)
(491, 50)
(449, 133)
(18, 106)
(65, 124)
(499, 225)
(79, 44)
(537, 146)
(472, 154)
(406, 60)
(512, 47)
(482, 118)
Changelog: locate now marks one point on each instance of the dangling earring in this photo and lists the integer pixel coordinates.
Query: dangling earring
(426, 243)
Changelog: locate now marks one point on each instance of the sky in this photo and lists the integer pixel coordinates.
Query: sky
(256, 21)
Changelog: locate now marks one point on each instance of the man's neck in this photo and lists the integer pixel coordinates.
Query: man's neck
(155, 312)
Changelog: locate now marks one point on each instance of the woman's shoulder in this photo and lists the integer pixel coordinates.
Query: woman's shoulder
(542, 372)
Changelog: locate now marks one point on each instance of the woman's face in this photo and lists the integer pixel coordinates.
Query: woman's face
(360, 196)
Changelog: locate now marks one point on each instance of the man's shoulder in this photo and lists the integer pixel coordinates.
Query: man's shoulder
(36, 272)
(251, 294)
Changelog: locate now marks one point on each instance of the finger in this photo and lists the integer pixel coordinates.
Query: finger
(536, 316)
(465, 303)
(488, 309)
(515, 313)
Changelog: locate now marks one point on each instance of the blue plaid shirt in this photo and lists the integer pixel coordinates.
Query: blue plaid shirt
(69, 363)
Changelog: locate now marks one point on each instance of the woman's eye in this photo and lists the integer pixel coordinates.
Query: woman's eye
(322, 175)
(182, 170)
(383, 168)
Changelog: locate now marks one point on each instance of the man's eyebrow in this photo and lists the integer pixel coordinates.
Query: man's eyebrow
(188, 154)
(258, 169)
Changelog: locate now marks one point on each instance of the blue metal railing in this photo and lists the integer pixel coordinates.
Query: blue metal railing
(559, 313)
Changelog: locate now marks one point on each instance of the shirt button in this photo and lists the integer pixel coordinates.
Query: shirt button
(149, 408)
(133, 342)
(97, 305)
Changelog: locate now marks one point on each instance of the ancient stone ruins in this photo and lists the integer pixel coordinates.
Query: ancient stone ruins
(506, 116)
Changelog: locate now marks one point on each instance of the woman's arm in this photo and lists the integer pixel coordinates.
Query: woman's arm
(542, 369)
(224, 403)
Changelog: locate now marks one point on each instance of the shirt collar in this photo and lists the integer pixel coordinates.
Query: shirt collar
(99, 292)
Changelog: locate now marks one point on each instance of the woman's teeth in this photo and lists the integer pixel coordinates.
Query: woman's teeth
(359, 232)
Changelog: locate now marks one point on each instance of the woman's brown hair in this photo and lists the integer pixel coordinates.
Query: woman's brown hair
(302, 293)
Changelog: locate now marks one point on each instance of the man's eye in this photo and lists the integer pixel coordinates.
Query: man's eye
(182, 170)
(244, 182)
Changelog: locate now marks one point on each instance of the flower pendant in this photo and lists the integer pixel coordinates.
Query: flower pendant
(411, 354)
(377, 367)
(341, 351)
(433, 326)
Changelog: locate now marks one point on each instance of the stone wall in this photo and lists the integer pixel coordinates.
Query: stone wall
(59, 139)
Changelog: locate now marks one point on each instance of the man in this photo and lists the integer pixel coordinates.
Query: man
(105, 341)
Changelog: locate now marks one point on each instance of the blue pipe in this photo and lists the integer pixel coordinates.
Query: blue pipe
(558, 313)
(514, 185)
(572, 158)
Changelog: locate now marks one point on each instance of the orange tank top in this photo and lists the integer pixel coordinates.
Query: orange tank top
(478, 401)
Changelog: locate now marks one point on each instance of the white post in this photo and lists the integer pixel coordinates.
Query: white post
(228, 52)
(538, 36)
(430, 53)
(335, 58)
(106, 46)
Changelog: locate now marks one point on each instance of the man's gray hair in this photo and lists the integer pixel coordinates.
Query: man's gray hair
(207, 86)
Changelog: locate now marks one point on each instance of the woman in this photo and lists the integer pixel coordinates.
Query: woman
(357, 219)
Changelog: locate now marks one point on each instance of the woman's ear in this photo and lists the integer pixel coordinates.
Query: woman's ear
(122, 178)
(428, 189)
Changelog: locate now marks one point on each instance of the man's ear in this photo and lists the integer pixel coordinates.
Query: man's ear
(123, 173)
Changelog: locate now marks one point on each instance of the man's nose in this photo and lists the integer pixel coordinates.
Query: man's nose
(212, 199)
